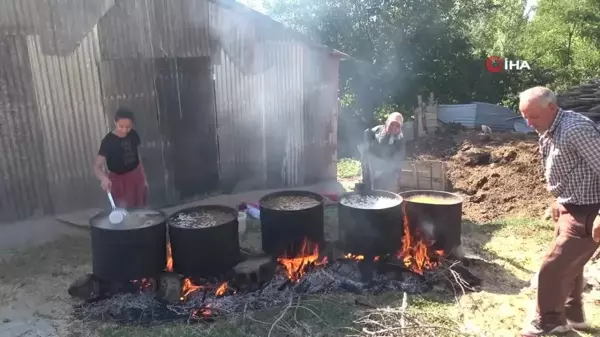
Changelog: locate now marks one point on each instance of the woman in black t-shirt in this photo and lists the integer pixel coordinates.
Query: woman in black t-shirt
(126, 179)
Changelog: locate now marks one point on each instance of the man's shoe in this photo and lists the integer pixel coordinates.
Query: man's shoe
(535, 328)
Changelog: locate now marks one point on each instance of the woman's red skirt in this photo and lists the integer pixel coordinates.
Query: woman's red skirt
(129, 190)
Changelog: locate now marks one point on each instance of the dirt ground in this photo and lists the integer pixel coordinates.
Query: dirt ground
(500, 174)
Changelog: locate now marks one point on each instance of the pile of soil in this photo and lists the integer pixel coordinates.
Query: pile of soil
(499, 174)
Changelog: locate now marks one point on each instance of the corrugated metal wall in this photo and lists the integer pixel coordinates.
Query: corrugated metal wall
(464, 114)
(495, 116)
(221, 102)
(278, 125)
(68, 96)
(476, 114)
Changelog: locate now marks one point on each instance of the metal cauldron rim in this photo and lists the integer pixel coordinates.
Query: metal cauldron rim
(284, 193)
(229, 209)
(370, 192)
(383, 193)
(105, 213)
(451, 195)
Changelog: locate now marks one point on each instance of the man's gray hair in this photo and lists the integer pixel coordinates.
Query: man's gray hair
(542, 95)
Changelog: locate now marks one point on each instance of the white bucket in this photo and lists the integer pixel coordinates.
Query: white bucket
(242, 223)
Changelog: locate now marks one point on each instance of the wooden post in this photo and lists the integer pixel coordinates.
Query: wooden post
(415, 173)
(431, 176)
(444, 170)
(419, 117)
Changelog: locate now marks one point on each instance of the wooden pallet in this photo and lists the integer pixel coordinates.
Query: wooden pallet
(424, 175)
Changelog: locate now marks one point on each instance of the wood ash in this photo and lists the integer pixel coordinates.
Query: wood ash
(369, 201)
(291, 203)
(202, 219)
(341, 276)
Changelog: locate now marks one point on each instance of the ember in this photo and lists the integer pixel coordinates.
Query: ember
(188, 288)
(415, 252)
(295, 267)
(145, 284)
(354, 257)
(222, 290)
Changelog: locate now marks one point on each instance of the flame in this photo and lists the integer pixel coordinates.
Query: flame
(415, 252)
(295, 267)
(222, 289)
(357, 258)
(354, 257)
(188, 287)
(169, 258)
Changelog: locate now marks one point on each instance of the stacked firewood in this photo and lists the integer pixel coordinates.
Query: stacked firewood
(584, 98)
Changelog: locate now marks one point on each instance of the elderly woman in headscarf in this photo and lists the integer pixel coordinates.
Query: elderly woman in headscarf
(383, 151)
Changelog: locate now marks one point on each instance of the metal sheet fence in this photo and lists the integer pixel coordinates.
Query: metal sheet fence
(221, 102)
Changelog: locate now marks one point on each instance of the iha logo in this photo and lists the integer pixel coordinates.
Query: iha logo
(496, 64)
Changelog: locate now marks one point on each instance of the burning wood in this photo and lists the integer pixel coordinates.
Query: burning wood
(354, 257)
(416, 254)
(222, 289)
(295, 267)
(188, 288)
(350, 256)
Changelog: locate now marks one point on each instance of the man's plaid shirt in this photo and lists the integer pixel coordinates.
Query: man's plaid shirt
(571, 157)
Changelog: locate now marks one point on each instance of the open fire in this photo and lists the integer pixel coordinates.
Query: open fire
(313, 270)
(417, 254)
(296, 267)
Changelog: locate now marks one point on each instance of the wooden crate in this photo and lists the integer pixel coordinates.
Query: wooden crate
(423, 175)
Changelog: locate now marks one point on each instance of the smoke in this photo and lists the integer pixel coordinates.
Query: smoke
(428, 228)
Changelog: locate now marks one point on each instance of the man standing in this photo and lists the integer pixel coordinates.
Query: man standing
(570, 147)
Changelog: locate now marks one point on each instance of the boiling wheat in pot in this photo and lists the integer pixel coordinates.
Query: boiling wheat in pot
(369, 202)
(291, 203)
(202, 219)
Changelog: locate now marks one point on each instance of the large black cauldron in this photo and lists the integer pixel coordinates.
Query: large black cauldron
(436, 214)
(129, 251)
(368, 227)
(284, 227)
(205, 251)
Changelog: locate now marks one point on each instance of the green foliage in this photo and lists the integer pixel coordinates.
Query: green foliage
(348, 168)
(403, 48)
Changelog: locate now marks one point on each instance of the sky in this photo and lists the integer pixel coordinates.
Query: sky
(257, 5)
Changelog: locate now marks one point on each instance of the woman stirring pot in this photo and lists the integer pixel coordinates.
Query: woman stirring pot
(119, 153)
(383, 151)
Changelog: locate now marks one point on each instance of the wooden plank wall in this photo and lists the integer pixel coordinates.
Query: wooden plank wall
(426, 117)
(424, 175)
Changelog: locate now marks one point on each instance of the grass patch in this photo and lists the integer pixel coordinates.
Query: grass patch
(515, 248)
(348, 168)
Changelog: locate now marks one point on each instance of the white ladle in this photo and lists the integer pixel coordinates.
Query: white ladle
(117, 215)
